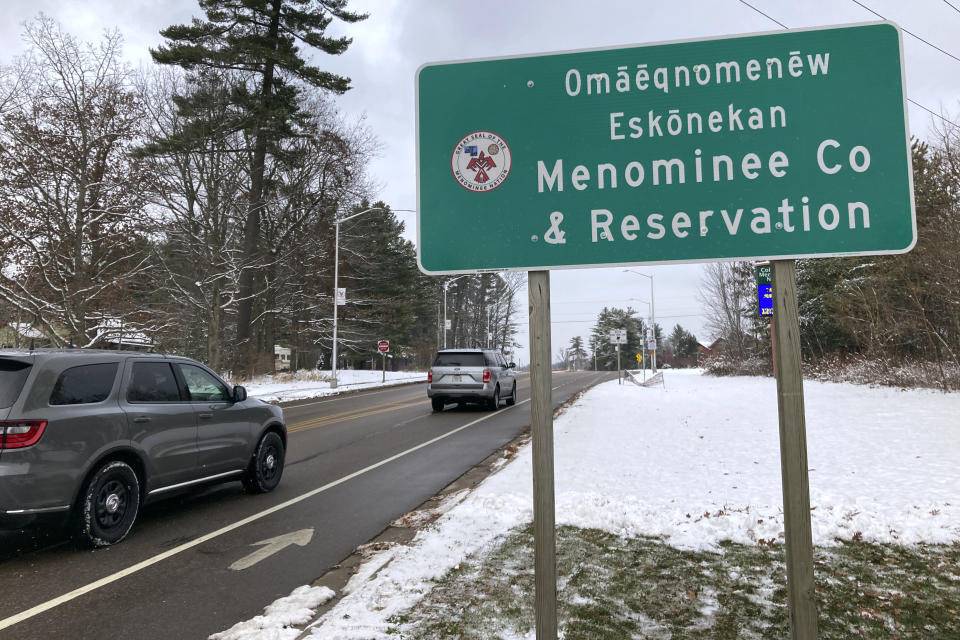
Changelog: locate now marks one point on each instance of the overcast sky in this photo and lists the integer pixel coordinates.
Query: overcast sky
(401, 35)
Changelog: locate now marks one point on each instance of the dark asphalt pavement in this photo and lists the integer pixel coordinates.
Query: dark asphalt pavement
(354, 464)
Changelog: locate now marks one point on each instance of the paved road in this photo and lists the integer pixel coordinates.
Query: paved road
(354, 464)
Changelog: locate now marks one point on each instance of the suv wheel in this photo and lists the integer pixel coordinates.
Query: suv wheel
(495, 403)
(266, 466)
(437, 404)
(109, 505)
(513, 396)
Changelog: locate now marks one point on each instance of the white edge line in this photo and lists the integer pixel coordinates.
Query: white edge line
(93, 586)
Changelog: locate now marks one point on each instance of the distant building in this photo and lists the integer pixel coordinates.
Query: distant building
(705, 350)
(20, 335)
(281, 358)
(113, 333)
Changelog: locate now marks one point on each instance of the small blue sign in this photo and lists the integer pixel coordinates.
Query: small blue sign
(765, 298)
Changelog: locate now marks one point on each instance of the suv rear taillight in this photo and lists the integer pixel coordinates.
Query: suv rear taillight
(18, 434)
(486, 375)
(429, 375)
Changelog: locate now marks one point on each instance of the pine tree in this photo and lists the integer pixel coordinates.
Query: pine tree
(257, 40)
(605, 354)
(683, 343)
(577, 352)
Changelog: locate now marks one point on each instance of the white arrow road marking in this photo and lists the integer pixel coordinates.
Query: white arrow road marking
(271, 546)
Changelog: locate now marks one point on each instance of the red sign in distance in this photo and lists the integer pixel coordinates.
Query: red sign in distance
(383, 346)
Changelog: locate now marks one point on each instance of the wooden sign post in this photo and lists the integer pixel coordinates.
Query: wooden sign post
(541, 429)
(793, 452)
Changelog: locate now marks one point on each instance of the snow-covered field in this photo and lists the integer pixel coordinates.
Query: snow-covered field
(311, 384)
(695, 463)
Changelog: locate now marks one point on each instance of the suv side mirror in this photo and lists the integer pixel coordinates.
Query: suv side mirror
(511, 365)
(239, 394)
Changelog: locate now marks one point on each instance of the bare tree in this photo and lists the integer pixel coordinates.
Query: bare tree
(727, 295)
(311, 180)
(198, 188)
(72, 223)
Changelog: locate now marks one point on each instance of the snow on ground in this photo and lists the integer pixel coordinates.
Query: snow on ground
(311, 384)
(279, 619)
(695, 463)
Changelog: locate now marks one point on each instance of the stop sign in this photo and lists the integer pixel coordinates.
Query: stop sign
(383, 346)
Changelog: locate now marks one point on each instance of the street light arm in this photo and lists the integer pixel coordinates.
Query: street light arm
(337, 221)
(447, 283)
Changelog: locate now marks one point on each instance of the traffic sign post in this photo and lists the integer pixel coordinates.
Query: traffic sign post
(619, 377)
(793, 453)
(541, 435)
(618, 337)
(737, 148)
(383, 346)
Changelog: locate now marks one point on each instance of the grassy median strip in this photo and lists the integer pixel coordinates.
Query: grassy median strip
(615, 588)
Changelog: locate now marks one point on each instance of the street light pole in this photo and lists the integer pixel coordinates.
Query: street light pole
(446, 285)
(336, 282)
(653, 320)
(644, 344)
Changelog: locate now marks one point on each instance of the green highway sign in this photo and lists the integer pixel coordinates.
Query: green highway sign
(763, 274)
(778, 145)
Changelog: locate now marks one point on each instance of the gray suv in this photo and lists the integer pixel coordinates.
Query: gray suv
(93, 434)
(471, 375)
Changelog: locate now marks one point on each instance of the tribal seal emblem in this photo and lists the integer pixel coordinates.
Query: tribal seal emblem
(481, 161)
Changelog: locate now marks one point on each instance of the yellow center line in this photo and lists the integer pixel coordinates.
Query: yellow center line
(352, 411)
(351, 415)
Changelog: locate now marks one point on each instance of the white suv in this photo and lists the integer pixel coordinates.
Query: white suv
(471, 375)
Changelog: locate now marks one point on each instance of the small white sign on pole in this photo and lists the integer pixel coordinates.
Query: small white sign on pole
(618, 336)
(341, 296)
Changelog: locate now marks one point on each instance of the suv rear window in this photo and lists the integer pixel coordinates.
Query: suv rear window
(12, 376)
(85, 384)
(469, 359)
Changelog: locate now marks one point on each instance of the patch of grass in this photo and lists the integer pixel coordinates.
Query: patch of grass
(615, 588)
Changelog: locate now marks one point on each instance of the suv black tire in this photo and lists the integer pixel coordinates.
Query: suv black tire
(266, 466)
(108, 505)
(495, 402)
(513, 396)
(437, 404)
